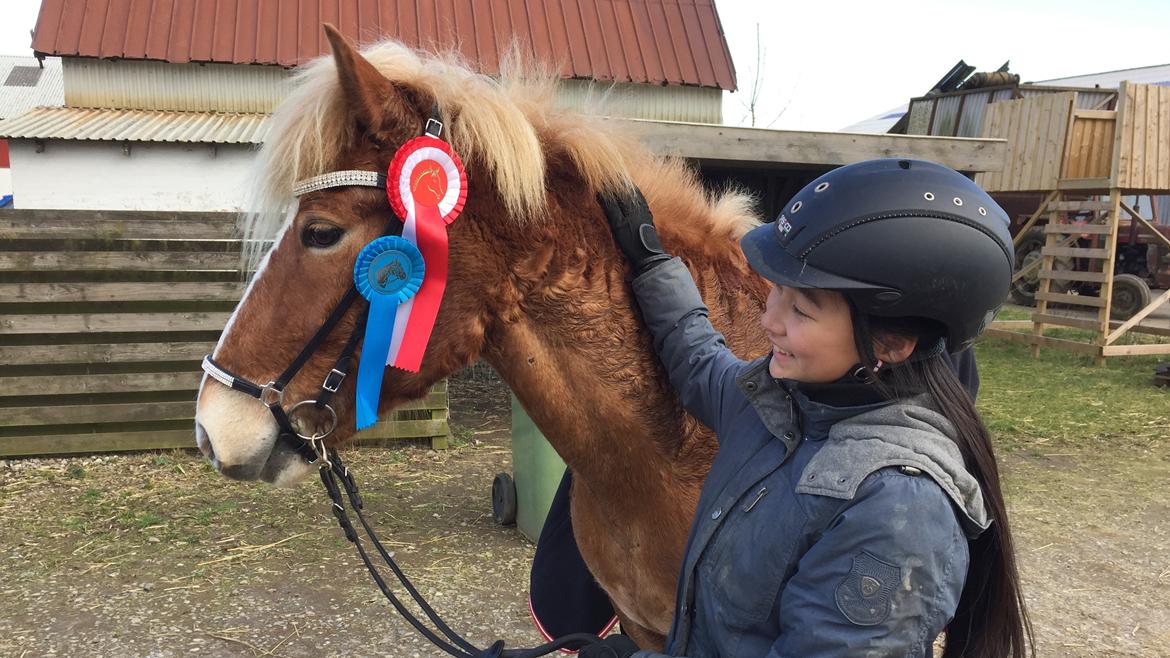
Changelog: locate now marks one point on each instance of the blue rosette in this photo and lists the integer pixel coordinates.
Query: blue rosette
(388, 272)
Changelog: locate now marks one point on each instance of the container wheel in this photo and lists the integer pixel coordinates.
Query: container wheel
(1130, 295)
(504, 499)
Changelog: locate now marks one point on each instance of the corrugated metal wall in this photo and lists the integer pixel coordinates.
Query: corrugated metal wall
(632, 101)
(258, 89)
(124, 84)
(961, 114)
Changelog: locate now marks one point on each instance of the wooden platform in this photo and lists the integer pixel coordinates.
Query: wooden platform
(1085, 162)
(104, 318)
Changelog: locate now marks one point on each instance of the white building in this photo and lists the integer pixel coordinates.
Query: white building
(167, 113)
(25, 83)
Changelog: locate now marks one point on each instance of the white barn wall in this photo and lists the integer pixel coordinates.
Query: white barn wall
(5, 181)
(154, 176)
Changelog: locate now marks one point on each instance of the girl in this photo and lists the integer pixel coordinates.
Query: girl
(854, 507)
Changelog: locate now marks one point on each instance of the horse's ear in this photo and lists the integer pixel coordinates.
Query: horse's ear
(373, 100)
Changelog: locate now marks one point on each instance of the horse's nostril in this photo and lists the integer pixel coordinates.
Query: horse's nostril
(203, 441)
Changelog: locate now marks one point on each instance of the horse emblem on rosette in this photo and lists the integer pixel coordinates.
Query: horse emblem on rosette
(534, 285)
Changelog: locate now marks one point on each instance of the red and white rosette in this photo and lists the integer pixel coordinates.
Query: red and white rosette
(427, 187)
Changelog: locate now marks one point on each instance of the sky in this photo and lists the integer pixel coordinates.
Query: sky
(831, 63)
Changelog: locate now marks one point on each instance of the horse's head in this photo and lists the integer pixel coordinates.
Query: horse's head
(347, 115)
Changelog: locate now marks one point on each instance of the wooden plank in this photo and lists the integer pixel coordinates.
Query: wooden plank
(54, 323)
(1075, 252)
(404, 429)
(716, 143)
(1122, 133)
(1162, 176)
(104, 353)
(121, 292)
(1059, 125)
(1028, 139)
(433, 400)
(1095, 114)
(1076, 300)
(1083, 184)
(96, 413)
(1154, 305)
(1103, 154)
(50, 414)
(1148, 349)
(1041, 210)
(1152, 132)
(1077, 229)
(1073, 275)
(20, 227)
(83, 216)
(1093, 325)
(16, 446)
(1045, 341)
(117, 260)
(1080, 206)
(115, 383)
(990, 128)
(1150, 228)
(1137, 112)
(1010, 324)
(1075, 151)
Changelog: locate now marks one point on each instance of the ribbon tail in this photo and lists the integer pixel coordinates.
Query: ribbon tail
(371, 366)
(432, 242)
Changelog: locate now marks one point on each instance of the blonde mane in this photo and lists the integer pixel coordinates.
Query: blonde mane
(508, 126)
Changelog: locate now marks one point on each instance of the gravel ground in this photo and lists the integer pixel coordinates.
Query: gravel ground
(156, 555)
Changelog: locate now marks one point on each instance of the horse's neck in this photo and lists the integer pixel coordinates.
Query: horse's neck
(582, 365)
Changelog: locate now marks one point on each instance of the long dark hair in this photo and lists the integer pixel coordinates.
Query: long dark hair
(991, 620)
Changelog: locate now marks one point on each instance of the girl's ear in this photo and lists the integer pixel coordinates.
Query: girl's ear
(894, 348)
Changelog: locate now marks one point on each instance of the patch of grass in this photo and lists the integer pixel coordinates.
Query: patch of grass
(91, 496)
(212, 512)
(147, 519)
(1063, 398)
(461, 436)
(75, 471)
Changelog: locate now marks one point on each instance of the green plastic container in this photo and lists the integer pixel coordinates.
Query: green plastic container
(537, 471)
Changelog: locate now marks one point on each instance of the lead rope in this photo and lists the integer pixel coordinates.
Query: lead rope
(330, 474)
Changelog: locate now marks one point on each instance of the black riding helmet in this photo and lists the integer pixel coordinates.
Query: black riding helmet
(899, 238)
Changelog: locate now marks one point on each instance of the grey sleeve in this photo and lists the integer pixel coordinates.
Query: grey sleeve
(696, 357)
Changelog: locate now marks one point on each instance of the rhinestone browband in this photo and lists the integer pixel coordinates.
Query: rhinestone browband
(339, 179)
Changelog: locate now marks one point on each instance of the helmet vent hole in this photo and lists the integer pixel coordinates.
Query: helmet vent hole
(983, 211)
(958, 201)
(822, 187)
(929, 196)
(797, 206)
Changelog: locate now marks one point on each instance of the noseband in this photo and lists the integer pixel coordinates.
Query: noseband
(334, 475)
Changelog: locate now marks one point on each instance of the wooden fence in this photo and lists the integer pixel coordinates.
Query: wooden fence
(104, 318)
(1035, 129)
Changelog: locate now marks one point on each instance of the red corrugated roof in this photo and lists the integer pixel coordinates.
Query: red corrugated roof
(651, 41)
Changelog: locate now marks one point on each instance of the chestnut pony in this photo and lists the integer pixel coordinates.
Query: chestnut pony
(537, 288)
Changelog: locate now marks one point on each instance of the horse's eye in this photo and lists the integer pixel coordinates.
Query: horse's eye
(320, 235)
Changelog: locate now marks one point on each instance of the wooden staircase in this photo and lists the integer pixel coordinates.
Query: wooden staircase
(1087, 161)
(1062, 238)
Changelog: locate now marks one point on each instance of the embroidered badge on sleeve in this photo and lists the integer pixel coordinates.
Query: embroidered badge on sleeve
(864, 596)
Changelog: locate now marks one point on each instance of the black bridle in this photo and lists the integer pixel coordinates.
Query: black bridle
(330, 467)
